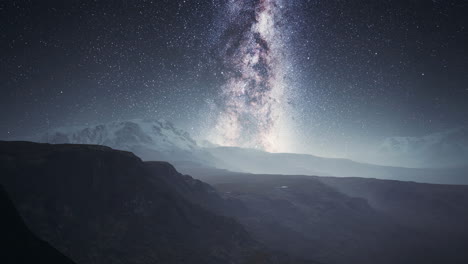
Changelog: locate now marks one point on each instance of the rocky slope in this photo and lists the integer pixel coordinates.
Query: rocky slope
(18, 244)
(352, 220)
(441, 209)
(98, 205)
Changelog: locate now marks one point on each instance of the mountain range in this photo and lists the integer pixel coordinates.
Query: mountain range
(161, 140)
(99, 205)
(448, 148)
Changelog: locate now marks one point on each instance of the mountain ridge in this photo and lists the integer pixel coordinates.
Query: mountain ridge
(96, 204)
(161, 140)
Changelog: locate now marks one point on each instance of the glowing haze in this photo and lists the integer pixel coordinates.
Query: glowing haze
(252, 110)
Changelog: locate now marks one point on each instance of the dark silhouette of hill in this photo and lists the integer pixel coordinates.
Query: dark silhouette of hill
(99, 205)
(18, 244)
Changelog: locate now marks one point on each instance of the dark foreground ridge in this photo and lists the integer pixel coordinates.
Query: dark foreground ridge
(98, 205)
(18, 243)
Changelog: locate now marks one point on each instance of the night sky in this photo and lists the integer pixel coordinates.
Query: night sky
(323, 77)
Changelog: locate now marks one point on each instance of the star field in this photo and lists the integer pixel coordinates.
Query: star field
(357, 71)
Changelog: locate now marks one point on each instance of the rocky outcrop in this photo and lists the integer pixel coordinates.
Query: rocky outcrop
(98, 205)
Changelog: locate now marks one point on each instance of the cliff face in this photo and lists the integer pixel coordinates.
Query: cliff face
(98, 205)
(351, 220)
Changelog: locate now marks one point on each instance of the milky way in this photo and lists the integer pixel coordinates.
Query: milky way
(253, 103)
(236, 72)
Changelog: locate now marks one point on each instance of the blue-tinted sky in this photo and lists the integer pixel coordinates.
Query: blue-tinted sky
(360, 71)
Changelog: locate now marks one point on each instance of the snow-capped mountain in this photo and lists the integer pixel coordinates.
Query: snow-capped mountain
(154, 140)
(149, 139)
(444, 149)
(125, 134)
